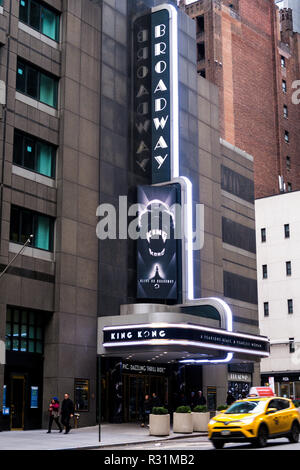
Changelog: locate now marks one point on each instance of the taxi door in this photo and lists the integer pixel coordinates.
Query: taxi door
(275, 421)
(285, 414)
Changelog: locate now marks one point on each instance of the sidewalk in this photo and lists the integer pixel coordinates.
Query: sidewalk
(83, 438)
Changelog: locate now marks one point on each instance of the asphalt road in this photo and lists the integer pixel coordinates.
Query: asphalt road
(202, 443)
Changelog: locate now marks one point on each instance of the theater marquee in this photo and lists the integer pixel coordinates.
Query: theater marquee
(197, 336)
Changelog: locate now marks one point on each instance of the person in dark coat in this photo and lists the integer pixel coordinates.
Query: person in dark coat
(201, 400)
(67, 412)
(54, 414)
(146, 410)
(192, 400)
(230, 399)
(155, 401)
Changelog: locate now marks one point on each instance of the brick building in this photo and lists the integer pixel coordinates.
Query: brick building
(249, 50)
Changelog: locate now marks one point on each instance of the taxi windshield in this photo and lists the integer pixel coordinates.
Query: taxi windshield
(241, 407)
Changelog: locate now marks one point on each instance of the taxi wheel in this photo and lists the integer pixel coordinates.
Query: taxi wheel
(218, 444)
(262, 437)
(294, 433)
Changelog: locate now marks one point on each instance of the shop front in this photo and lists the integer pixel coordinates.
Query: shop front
(285, 384)
(125, 385)
(240, 379)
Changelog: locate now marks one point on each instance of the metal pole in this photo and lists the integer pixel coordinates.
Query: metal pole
(99, 396)
(15, 257)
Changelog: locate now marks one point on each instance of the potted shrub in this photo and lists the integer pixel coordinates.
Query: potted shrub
(221, 408)
(159, 421)
(201, 417)
(183, 420)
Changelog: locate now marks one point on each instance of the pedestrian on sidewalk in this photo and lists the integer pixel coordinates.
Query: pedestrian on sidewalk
(146, 410)
(230, 398)
(54, 414)
(201, 400)
(67, 412)
(155, 401)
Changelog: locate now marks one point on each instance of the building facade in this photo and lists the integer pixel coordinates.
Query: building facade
(278, 262)
(50, 189)
(294, 5)
(67, 75)
(250, 50)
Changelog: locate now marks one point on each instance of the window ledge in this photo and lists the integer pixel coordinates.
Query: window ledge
(32, 252)
(31, 175)
(37, 104)
(37, 35)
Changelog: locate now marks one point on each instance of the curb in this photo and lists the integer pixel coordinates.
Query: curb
(172, 438)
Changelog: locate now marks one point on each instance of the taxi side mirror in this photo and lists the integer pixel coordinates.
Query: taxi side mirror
(271, 410)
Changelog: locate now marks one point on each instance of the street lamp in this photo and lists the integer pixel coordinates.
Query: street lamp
(15, 257)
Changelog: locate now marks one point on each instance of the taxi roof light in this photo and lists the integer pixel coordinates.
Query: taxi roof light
(260, 392)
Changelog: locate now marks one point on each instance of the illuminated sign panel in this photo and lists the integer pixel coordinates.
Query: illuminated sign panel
(185, 335)
(155, 131)
(158, 263)
(161, 121)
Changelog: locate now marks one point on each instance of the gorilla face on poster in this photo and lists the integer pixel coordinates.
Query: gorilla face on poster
(157, 250)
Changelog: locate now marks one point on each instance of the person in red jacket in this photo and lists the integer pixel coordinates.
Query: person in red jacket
(54, 414)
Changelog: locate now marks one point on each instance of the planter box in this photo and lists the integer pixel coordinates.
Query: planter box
(183, 422)
(159, 425)
(200, 421)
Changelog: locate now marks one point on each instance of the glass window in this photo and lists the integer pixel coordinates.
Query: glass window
(288, 268)
(45, 160)
(288, 163)
(200, 24)
(265, 271)
(290, 306)
(40, 17)
(285, 111)
(20, 335)
(23, 10)
(24, 223)
(292, 345)
(282, 62)
(34, 155)
(50, 23)
(263, 235)
(21, 77)
(284, 86)
(266, 309)
(289, 187)
(48, 89)
(287, 231)
(34, 15)
(286, 136)
(253, 406)
(36, 84)
(31, 82)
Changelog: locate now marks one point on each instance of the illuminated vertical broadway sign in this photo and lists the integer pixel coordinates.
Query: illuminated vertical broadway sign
(156, 150)
(156, 94)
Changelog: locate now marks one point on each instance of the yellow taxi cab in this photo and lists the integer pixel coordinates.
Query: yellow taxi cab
(256, 419)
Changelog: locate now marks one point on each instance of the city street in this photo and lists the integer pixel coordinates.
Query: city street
(202, 443)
